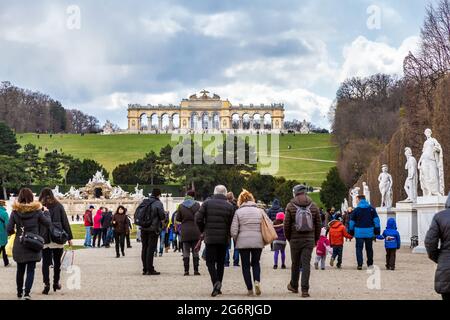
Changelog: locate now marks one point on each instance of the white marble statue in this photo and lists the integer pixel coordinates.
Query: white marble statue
(57, 193)
(98, 178)
(412, 178)
(431, 167)
(344, 206)
(366, 191)
(385, 185)
(138, 193)
(118, 193)
(73, 193)
(354, 193)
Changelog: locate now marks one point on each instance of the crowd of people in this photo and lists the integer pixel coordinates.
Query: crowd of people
(222, 223)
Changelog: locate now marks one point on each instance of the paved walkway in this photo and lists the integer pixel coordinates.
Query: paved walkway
(105, 277)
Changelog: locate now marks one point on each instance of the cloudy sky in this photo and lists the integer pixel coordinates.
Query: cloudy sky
(249, 51)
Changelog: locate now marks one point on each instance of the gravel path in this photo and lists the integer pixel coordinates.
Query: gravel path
(105, 277)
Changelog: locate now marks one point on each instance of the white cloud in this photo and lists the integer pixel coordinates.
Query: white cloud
(164, 25)
(221, 25)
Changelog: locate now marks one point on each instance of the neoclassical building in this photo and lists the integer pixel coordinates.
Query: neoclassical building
(205, 113)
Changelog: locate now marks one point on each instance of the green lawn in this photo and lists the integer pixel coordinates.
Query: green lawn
(112, 150)
(79, 231)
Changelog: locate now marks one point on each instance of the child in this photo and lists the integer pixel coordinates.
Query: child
(337, 234)
(279, 245)
(323, 246)
(391, 242)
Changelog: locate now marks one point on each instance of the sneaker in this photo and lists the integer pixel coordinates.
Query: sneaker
(216, 289)
(160, 255)
(332, 262)
(316, 265)
(275, 267)
(153, 273)
(26, 297)
(19, 295)
(283, 266)
(257, 288)
(291, 288)
(359, 268)
(305, 294)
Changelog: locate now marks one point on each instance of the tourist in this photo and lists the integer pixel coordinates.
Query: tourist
(274, 209)
(97, 234)
(106, 222)
(392, 242)
(337, 233)
(78, 218)
(322, 216)
(29, 215)
(437, 244)
(53, 252)
(364, 225)
(163, 236)
(322, 248)
(246, 232)
(346, 220)
(128, 234)
(185, 215)
(279, 245)
(4, 219)
(328, 217)
(88, 224)
(231, 199)
(214, 221)
(150, 234)
(302, 238)
(121, 228)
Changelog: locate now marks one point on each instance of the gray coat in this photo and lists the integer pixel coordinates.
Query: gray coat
(440, 231)
(31, 217)
(246, 226)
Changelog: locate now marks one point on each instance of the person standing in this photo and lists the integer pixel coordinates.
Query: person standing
(246, 232)
(128, 234)
(150, 234)
(4, 219)
(121, 228)
(279, 245)
(97, 234)
(437, 244)
(27, 216)
(302, 227)
(274, 209)
(364, 225)
(346, 220)
(392, 242)
(190, 235)
(214, 221)
(231, 199)
(88, 224)
(106, 222)
(53, 252)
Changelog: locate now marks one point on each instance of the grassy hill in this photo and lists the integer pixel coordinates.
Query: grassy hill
(308, 160)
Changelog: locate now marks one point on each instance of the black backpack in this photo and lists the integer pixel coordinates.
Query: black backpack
(57, 234)
(143, 214)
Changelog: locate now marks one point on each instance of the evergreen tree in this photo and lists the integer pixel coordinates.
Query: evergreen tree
(333, 190)
(8, 141)
(12, 174)
(81, 171)
(33, 163)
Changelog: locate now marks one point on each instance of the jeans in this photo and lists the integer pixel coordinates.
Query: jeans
(97, 235)
(5, 257)
(119, 239)
(149, 243)
(360, 242)
(87, 238)
(51, 257)
(337, 252)
(29, 267)
(127, 239)
(162, 242)
(301, 258)
(110, 236)
(390, 258)
(250, 258)
(235, 255)
(322, 260)
(215, 261)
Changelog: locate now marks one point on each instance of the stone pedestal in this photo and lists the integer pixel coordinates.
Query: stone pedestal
(406, 218)
(384, 214)
(426, 208)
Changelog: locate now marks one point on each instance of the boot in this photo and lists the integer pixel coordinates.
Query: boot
(46, 289)
(186, 266)
(196, 264)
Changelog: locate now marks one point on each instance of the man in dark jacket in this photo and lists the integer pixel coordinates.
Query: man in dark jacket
(440, 232)
(106, 222)
(214, 220)
(274, 209)
(364, 225)
(302, 242)
(150, 234)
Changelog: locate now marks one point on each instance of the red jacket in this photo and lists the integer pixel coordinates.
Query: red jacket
(337, 233)
(88, 219)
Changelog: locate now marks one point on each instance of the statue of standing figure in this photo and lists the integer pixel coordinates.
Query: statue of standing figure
(385, 185)
(412, 179)
(354, 193)
(431, 167)
(366, 191)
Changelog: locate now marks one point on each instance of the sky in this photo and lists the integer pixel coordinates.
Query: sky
(99, 56)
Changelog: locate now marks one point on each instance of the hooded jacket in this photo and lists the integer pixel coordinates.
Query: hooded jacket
(439, 232)
(31, 217)
(274, 209)
(98, 219)
(390, 235)
(185, 215)
(120, 223)
(323, 245)
(337, 233)
(246, 226)
(364, 221)
(4, 219)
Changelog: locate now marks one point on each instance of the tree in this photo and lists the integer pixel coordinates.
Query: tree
(32, 163)
(149, 167)
(8, 142)
(52, 168)
(81, 171)
(11, 173)
(333, 190)
(261, 186)
(284, 189)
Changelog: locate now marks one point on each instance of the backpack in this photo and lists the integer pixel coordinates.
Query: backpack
(57, 234)
(143, 214)
(303, 219)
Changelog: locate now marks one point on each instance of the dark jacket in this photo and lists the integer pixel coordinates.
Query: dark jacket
(364, 222)
(279, 228)
(440, 231)
(185, 215)
(294, 237)
(107, 218)
(274, 209)
(30, 216)
(390, 235)
(59, 219)
(120, 223)
(214, 219)
(157, 215)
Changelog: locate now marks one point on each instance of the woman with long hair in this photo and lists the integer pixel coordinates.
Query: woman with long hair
(26, 218)
(121, 228)
(52, 253)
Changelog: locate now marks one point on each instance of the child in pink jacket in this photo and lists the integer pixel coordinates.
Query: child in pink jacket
(323, 246)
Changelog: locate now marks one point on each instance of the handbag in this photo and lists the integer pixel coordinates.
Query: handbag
(29, 240)
(58, 235)
(267, 230)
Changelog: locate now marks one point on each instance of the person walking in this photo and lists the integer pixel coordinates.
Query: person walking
(26, 218)
(107, 231)
(150, 234)
(121, 228)
(279, 245)
(337, 233)
(4, 219)
(302, 227)
(274, 209)
(437, 244)
(190, 235)
(97, 224)
(53, 252)
(246, 232)
(88, 224)
(231, 199)
(128, 234)
(392, 242)
(364, 225)
(346, 220)
(214, 220)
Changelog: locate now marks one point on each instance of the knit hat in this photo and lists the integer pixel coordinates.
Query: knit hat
(280, 216)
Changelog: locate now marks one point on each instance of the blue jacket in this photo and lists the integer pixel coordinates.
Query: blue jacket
(364, 221)
(390, 235)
